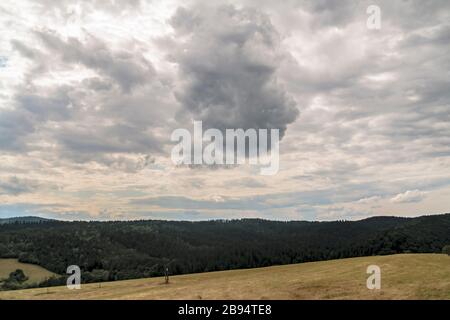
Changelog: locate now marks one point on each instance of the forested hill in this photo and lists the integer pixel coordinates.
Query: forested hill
(24, 220)
(122, 250)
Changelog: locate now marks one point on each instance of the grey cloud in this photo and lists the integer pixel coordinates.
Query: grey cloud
(245, 182)
(126, 68)
(66, 9)
(118, 162)
(15, 126)
(357, 136)
(408, 14)
(3, 61)
(55, 106)
(404, 119)
(344, 193)
(331, 13)
(24, 50)
(318, 200)
(413, 14)
(228, 59)
(32, 111)
(97, 84)
(439, 36)
(180, 202)
(108, 139)
(124, 125)
(110, 117)
(15, 186)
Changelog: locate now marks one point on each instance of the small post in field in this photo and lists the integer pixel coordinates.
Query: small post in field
(47, 279)
(166, 275)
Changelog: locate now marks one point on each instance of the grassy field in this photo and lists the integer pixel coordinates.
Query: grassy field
(34, 273)
(405, 276)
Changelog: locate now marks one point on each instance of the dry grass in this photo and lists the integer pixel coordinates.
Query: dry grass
(406, 276)
(34, 273)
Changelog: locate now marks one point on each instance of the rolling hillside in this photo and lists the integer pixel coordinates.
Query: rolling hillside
(404, 276)
(122, 250)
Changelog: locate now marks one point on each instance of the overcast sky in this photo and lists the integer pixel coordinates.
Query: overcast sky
(90, 92)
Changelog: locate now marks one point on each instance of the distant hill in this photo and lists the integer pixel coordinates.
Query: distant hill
(29, 219)
(137, 249)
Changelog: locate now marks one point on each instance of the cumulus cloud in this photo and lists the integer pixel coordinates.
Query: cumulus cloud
(228, 59)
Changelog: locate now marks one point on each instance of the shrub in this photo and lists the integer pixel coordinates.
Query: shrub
(446, 250)
(15, 280)
(18, 276)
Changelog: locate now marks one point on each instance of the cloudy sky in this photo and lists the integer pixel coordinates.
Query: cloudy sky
(90, 92)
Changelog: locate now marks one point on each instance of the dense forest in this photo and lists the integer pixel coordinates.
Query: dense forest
(135, 249)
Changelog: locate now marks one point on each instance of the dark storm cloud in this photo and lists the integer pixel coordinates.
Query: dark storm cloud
(228, 60)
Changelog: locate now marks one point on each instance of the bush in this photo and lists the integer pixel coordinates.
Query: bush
(15, 280)
(11, 285)
(18, 276)
(96, 275)
(446, 250)
(53, 281)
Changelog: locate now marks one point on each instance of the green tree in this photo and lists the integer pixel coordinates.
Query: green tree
(15, 280)
(18, 276)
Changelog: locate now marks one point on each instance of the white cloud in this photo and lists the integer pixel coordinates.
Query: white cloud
(409, 196)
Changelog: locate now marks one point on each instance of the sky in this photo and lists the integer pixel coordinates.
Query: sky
(90, 92)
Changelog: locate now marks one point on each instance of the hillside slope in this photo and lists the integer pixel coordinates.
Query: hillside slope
(405, 276)
(141, 249)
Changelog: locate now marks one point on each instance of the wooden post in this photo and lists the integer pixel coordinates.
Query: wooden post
(166, 275)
